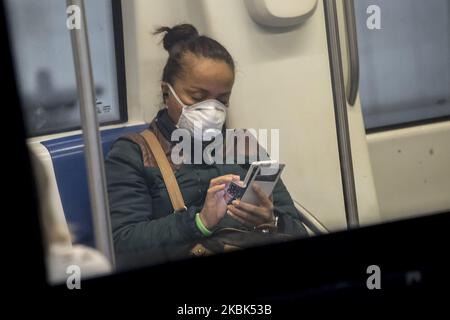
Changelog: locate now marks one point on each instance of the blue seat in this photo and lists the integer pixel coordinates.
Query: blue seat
(70, 170)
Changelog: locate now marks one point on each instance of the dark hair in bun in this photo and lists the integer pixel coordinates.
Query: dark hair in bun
(184, 38)
(177, 34)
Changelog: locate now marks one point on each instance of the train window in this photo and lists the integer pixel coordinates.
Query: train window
(148, 192)
(44, 65)
(404, 51)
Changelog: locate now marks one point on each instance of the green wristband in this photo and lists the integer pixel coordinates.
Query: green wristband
(201, 226)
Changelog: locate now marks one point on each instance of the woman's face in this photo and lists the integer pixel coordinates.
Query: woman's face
(202, 79)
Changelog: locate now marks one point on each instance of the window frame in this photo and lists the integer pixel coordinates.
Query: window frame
(119, 48)
(408, 124)
(395, 126)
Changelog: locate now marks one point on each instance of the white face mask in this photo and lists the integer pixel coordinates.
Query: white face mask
(209, 114)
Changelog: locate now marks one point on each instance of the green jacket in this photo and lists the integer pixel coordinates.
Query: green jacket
(141, 212)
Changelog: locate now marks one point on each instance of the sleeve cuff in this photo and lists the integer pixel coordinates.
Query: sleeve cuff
(188, 224)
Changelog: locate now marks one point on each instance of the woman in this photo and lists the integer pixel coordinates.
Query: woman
(199, 69)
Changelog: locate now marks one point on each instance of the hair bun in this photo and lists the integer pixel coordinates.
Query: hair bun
(179, 33)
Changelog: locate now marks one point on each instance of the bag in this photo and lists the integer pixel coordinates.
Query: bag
(223, 239)
(230, 239)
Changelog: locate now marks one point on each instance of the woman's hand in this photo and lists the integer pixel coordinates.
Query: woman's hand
(251, 215)
(215, 204)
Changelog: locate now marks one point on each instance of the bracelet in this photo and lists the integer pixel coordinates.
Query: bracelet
(201, 226)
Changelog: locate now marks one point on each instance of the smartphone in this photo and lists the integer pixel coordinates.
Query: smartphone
(263, 173)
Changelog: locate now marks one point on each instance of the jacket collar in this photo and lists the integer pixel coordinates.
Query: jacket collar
(163, 127)
(164, 123)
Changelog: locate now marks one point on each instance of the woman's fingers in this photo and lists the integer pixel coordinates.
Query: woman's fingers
(240, 183)
(248, 207)
(262, 213)
(244, 222)
(249, 217)
(214, 189)
(224, 179)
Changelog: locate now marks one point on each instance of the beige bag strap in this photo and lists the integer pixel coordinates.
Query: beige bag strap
(176, 198)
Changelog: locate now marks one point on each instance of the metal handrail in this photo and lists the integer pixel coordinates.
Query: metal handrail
(309, 220)
(340, 111)
(92, 144)
(352, 51)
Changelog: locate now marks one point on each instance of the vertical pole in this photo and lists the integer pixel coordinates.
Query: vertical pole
(340, 111)
(93, 148)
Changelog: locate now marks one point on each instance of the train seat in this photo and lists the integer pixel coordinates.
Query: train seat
(68, 160)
